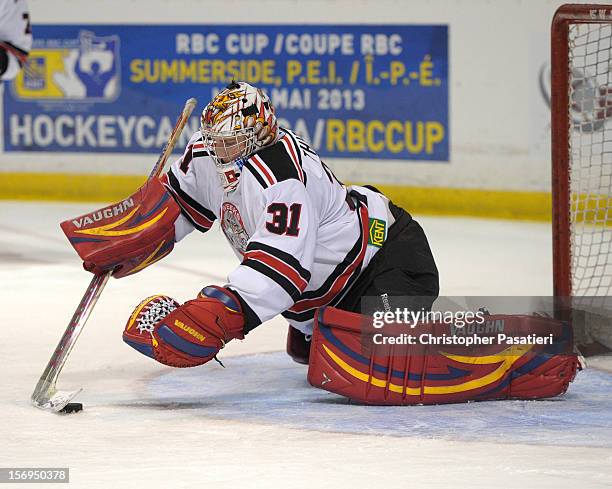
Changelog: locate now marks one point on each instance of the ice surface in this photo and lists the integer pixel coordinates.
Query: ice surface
(270, 388)
(257, 423)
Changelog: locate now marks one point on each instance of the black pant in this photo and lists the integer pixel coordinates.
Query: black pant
(402, 274)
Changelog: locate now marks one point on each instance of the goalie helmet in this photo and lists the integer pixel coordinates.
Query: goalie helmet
(236, 123)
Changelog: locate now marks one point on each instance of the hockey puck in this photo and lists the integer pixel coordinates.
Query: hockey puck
(72, 407)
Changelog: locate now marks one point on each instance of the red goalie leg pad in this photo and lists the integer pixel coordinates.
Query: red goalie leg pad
(345, 360)
(127, 236)
(187, 335)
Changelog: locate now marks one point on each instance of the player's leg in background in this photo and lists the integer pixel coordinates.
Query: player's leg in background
(298, 345)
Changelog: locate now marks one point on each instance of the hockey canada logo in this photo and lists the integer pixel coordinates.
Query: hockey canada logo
(233, 227)
(83, 69)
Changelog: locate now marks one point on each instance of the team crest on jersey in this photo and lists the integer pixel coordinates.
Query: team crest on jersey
(82, 69)
(233, 227)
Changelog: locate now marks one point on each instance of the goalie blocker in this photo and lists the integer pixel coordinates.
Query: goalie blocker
(345, 359)
(127, 236)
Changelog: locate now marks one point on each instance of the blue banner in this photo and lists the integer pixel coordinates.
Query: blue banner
(362, 91)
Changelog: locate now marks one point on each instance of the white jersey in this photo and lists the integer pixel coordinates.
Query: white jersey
(301, 241)
(15, 35)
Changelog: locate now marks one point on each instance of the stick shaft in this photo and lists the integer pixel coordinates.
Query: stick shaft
(176, 132)
(70, 336)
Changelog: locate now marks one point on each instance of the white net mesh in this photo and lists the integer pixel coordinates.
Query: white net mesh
(156, 310)
(590, 111)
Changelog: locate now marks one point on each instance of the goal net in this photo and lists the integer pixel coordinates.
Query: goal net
(581, 62)
(584, 218)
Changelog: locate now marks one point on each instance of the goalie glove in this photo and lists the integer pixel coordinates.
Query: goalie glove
(185, 335)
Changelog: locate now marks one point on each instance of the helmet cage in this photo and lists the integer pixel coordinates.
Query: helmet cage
(229, 146)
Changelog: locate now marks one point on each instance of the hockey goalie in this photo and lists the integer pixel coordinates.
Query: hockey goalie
(310, 248)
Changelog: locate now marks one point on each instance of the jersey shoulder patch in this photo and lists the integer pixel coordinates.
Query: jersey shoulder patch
(276, 163)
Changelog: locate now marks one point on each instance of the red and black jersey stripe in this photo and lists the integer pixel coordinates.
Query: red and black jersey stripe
(199, 149)
(276, 163)
(291, 145)
(199, 216)
(186, 159)
(260, 170)
(20, 54)
(279, 266)
(340, 280)
(194, 150)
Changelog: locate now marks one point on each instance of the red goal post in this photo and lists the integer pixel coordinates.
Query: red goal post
(581, 103)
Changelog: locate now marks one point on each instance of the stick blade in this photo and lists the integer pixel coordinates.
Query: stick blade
(54, 401)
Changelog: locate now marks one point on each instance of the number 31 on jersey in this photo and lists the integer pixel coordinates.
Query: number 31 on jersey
(284, 219)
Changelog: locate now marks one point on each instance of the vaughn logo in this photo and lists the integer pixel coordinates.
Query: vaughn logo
(107, 213)
(496, 326)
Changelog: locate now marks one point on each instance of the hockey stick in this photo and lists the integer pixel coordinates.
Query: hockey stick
(45, 395)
